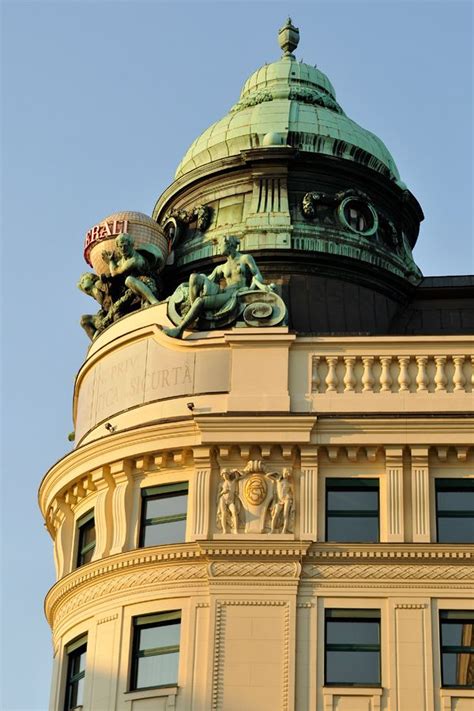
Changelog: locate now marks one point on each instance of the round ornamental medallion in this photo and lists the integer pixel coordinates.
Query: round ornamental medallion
(255, 490)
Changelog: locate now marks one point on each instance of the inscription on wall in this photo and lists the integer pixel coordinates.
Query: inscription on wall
(140, 373)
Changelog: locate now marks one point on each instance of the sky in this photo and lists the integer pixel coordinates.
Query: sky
(100, 101)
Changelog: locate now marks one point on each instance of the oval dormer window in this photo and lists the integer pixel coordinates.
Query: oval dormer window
(358, 216)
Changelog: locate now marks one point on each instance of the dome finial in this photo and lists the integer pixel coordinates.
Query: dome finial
(288, 38)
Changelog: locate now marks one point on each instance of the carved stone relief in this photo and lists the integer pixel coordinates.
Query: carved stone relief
(253, 500)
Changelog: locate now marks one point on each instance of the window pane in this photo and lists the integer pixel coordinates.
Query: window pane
(88, 533)
(360, 529)
(349, 632)
(457, 634)
(353, 500)
(79, 692)
(458, 669)
(455, 530)
(352, 667)
(162, 636)
(158, 670)
(456, 500)
(166, 506)
(163, 533)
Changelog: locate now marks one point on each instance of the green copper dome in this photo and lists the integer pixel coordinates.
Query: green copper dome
(289, 103)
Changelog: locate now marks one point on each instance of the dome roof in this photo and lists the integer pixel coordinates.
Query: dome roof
(298, 102)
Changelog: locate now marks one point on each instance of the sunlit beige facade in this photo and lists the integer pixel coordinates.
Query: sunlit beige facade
(261, 584)
(253, 604)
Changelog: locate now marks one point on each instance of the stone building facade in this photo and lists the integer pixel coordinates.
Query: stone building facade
(276, 516)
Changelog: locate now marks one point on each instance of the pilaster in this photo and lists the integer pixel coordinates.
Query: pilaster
(394, 476)
(201, 493)
(121, 504)
(103, 483)
(420, 494)
(309, 494)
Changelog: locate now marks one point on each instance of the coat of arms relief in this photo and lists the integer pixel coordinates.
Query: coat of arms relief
(253, 500)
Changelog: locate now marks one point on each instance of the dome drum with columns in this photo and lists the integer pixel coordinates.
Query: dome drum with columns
(308, 191)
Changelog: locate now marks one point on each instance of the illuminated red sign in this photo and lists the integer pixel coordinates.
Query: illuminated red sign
(102, 231)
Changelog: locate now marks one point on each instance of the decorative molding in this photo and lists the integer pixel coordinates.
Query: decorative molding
(127, 582)
(410, 606)
(107, 619)
(389, 572)
(255, 570)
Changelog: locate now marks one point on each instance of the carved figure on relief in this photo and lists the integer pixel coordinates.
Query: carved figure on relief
(235, 288)
(282, 506)
(228, 505)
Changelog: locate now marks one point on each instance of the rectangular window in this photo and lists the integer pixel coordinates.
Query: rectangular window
(457, 648)
(352, 647)
(164, 514)
(86, 538)
(76, 671)
(155, 650)
(352, 510)
(455, 510)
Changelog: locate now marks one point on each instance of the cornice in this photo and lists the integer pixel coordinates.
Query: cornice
(242, 428)
(126, 444)
(391, 552)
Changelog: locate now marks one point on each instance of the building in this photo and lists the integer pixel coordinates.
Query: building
(276, 511)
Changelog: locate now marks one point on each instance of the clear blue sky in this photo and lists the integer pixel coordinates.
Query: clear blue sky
(100, 101)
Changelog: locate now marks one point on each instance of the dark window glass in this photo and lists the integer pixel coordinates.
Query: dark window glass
(455, 510)
(352, 510)
(86, 543)
(155, 650)
(352, 647)
(164, 514)
(457, 648)
(76, 671)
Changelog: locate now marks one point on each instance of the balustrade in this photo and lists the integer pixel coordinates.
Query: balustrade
(423, 374)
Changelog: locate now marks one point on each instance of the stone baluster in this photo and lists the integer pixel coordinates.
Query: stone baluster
(440, 375)
(385, 377)
(472, 371)
(349, 376)
(403, 376)
(422, 375)
(332, 380)
(315, 379)
(367, 375)
(458, 377)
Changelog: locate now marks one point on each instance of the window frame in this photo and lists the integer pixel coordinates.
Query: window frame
(161, 491)
(457, 616)
(74, 650)
(157, 619)
(82, 550)
(353, 615)
(451, 484)
(353, 483)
